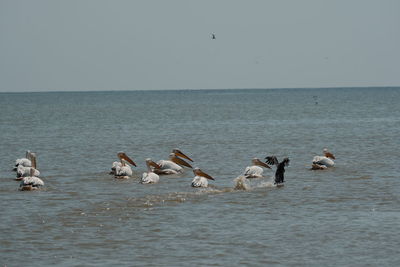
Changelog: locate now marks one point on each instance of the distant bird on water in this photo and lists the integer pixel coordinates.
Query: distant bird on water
(280, 169)
(213, 36)
(201, 178)
(255, 171)
(323, 162)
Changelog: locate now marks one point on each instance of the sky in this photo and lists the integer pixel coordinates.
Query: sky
(84, 45)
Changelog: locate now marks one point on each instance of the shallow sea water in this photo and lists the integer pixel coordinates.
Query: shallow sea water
(345, 216)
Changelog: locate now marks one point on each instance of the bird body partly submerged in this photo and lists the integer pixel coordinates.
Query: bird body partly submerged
(323, 162)
(201, 178)
(31, 183)
(150, 177)
(255, 171)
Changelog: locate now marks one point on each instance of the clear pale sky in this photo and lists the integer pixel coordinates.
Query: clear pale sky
(166, 44)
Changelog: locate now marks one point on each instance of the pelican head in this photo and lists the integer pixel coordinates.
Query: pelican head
(179, 153)
(173, 157)
(328, 154)
(199, 172)
(257, 162)
(122, 156)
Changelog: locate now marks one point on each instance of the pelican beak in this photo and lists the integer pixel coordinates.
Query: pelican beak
(203, 174)
(180, 154)
(260, 163)
(155, 165)
(181, 162)
(122, 155)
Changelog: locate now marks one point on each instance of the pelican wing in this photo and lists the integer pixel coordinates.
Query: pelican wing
(122, 155)
(272, 160)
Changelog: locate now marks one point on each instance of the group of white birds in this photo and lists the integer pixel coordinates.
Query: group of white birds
(175, 164)
(28, 174)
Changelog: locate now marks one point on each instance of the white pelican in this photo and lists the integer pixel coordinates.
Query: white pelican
(255, 171)
(323, 162)
(150, 177)
(201, 178)
(27, 171)
(115, 164)
(31, 182)
(173, 165)
(280, 168)
(123, 170)
(25, 162)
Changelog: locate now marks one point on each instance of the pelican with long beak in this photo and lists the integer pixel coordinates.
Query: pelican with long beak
(201, 178)
(173, 165)
(255, 171)
(123, 170)
(115, 164)
(23, 171)
(150, 177)
(323, 162)
(24, 162)
(31, 182)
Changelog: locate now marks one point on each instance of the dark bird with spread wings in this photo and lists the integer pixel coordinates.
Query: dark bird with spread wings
(280, 168)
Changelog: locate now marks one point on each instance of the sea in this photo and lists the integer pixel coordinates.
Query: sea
(347, 215)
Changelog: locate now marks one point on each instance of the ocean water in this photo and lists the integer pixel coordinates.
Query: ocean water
(345, 216)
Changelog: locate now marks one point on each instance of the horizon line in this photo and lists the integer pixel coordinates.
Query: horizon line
(199, 89)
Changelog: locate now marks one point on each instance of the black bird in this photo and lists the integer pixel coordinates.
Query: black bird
(213, 36)
(280, 169)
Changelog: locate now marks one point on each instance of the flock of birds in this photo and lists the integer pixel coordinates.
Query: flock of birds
(28, 173)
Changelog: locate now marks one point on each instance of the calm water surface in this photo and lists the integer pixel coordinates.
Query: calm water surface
(345, 216)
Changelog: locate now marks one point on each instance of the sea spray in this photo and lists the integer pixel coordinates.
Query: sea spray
(241, 183)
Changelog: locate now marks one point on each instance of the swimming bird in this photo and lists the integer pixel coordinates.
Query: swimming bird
(201, 178)
(174, 164)
(31, 182)
(280, 168)
(255, 171)
(323, 162)
(23, 171)
(25, 162)
(115, 164)
(122, 170)
(213, 36)
(150, 177)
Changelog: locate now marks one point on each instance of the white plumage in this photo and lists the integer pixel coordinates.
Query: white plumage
(123, 171)
(201, 178)
(173, 165)
(150, 177)
(255, 171)
(31, 183)
(26, 171)
(323, 162)
(25, 162)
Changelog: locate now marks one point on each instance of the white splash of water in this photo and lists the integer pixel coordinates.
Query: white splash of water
(241, 183)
